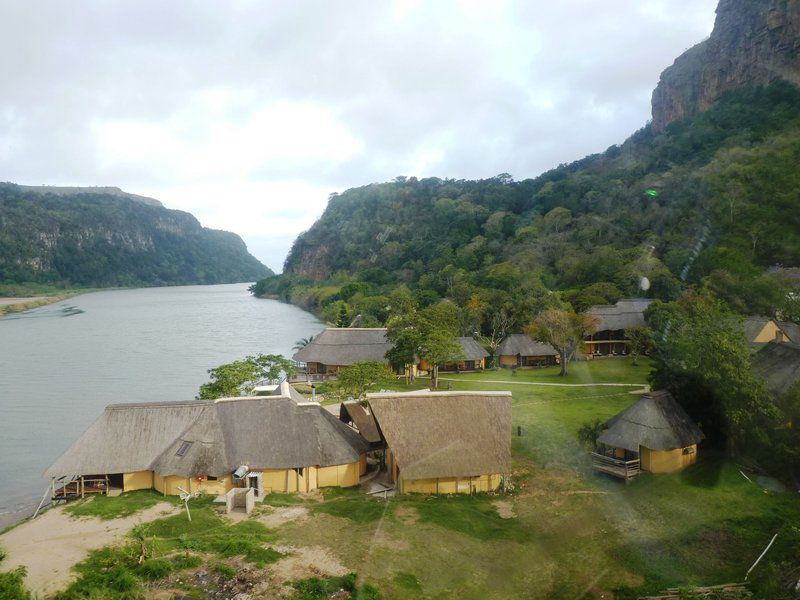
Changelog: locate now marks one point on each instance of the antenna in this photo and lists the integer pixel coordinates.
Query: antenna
(186, 496)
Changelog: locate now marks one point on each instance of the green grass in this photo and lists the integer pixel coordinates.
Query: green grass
(351, 504)
(471, 515)
(115, 507)
(225, 571)
(599, 370)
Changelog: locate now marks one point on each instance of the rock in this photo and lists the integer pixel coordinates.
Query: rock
(754, 42)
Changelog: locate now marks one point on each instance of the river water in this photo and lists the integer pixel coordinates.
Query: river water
(62, 363)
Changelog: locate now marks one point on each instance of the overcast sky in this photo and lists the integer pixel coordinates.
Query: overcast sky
(249, 114)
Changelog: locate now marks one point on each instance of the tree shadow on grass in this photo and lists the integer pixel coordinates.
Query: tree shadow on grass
(706, 473)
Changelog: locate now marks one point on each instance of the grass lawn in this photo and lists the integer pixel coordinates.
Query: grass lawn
(562, 532)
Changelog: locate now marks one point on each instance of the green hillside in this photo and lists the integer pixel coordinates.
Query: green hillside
(709, 202)
(101, 239)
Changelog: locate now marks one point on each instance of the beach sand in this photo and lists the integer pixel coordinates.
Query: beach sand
(54, 542)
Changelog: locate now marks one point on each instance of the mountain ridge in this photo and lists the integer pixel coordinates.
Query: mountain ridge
(106, 237)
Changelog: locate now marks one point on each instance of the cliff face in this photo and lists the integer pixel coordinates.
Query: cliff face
(754, 42)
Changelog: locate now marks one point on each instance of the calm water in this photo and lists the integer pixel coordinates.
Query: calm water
(62, 363)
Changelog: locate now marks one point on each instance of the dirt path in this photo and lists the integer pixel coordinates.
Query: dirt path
(643, 386)
(51, 544)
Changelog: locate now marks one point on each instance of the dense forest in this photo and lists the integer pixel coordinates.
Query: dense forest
(709, 203)
(103, 239)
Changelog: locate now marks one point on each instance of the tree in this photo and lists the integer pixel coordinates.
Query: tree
(499, 326)
(360, 377)
(640, 342)
(438, 346)
(564, 330)
(239, 376)
(342, 320)
(303, 342)
(701, 356)
(590, 431)
(429, 334)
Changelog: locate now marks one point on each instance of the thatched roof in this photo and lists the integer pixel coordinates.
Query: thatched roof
(471, 349)
(446, 434)
(779, 365)
(361, 416)
(345, 345)
(622, 315)
(524, 345)
(656, 422)
(792, 331)
(260, 432)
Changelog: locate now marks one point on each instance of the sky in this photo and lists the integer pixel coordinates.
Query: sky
(249, 114)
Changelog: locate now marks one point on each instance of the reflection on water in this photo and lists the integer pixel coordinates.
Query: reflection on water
(155, 344)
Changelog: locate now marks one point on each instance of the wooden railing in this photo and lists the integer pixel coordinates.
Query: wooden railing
(626, 469)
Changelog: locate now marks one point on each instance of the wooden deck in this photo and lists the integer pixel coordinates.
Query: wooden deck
(624, 469)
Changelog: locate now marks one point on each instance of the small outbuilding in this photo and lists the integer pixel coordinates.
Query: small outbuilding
(269, 443)
(445, 442)
(655, 435)
(521, 350)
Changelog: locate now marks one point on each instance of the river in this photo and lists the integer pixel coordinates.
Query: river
(62, 363)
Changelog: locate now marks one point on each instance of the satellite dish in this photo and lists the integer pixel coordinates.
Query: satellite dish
(185, 497)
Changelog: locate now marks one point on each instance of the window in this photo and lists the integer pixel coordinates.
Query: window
(299, 471)
(184, 448)
(210, 478)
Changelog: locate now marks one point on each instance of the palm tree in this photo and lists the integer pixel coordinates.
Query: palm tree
(303, 342)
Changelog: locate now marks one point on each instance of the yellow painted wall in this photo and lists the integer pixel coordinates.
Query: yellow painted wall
(666, 461)
(508, 360)
(158, 483)
(362, 464)
(451, 485)
(138, 480)
(769, 334)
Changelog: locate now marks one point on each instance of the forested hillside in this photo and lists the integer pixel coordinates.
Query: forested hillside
(101, 238)
(711, 201)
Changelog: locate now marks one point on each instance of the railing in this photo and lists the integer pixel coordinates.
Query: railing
(626, 469)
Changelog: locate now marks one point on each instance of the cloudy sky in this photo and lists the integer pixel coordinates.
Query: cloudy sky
(248, 114)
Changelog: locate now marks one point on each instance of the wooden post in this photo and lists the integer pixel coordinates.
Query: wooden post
(82, 486)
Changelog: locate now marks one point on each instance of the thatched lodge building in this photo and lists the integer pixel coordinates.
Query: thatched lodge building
(613, 321)
(445, 442)
(338, 347)
(655, 434)
(269, 443)
(473, 358)
(521, 350)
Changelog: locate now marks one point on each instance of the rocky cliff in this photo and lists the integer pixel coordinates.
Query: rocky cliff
(754, 42)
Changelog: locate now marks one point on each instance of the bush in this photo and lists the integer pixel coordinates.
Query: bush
(12, 585)
(155, 568)
(225, 571)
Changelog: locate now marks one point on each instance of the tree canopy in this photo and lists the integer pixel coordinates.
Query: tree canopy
(240, 376)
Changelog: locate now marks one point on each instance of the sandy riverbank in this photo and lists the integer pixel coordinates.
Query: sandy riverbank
(17, 304)
(54, 542)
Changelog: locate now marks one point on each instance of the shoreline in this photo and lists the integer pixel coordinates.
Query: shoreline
(11, 305)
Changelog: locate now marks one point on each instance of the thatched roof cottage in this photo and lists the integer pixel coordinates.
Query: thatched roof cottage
(779, 365)
(338, 347)
(272, 443)
(655, 434)
(521, 350)
(613, 320)
(445, 442)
